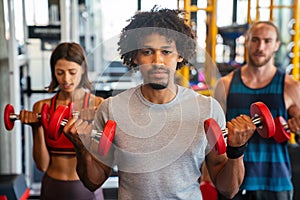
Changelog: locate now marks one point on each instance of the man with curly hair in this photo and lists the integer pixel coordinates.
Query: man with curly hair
(160, 143)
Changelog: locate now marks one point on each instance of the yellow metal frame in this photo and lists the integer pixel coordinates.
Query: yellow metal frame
(295, 59)
(210, 41)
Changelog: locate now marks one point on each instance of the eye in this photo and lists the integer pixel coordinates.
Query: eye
(73, 72)
(146, 52)
(254, 40)
(268, 40)
(59, 72)
(166, 52)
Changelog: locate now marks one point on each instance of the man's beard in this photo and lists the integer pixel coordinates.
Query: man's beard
(157, 86)
(259, 64)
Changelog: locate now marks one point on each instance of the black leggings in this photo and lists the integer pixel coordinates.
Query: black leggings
(53, 189)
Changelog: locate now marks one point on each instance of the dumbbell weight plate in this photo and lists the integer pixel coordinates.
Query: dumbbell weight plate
(8, 122)
(281, 135)
(208, 190)
(267, 128)
(107, 137)
(61, 112)
(214, 136)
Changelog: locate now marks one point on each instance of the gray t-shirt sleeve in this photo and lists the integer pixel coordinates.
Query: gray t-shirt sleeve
(101, 115)
(217, 113)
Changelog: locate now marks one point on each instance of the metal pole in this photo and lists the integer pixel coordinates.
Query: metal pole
(295, 59)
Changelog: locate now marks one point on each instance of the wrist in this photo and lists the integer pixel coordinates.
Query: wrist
(235, 152)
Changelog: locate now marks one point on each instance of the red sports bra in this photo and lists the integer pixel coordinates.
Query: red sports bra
(62, 145)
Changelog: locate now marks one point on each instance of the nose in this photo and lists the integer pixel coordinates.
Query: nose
(66, 77)
(260, 45)
(158, 58)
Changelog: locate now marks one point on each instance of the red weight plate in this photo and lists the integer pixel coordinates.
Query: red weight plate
(281, 134)
(8, 122)
(214, 136)
(60, 113)
(267, 129)
(208, 191)
(107, 137)
(45, 116)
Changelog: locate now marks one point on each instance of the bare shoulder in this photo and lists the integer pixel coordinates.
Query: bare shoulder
(37, 107)
(225, 80)
(98, 100)
(291, 86)
(289, 81)
(291, 92)
(222, 85)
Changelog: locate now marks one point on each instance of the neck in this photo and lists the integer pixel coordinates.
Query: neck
(71, 96)
(257, 77)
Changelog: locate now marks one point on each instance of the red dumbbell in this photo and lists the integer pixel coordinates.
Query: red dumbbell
(282, 133)
(10, 117)
(105, 138)
(261, 117)
(60, 118)
(61, 113)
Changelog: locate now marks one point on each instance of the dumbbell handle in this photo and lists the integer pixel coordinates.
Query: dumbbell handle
(96, 135)
(286, 127)
(14, 116)
(256, 120)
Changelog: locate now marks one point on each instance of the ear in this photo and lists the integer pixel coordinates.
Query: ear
(179, 59)
(277, 45)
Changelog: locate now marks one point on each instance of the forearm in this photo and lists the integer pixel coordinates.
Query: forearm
(91, 171)
(230, 177)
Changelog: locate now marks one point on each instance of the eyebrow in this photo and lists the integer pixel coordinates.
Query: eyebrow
(62, 69)
(257, 37)
(151, 47)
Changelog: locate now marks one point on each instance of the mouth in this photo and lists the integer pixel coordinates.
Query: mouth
(159, 73)
(259, 55)
(67, 86)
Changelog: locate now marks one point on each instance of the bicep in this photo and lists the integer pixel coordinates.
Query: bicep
(215, 163)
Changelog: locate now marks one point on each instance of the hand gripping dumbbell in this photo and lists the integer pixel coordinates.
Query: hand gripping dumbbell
(260, 116)
(10, 117)
(60, 118)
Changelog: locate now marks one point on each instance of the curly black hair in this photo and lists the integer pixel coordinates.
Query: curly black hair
(167, 22)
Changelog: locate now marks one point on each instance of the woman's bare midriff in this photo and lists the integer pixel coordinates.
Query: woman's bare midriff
(63, 167)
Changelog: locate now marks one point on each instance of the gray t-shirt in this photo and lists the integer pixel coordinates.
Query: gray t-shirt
(159, 148)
